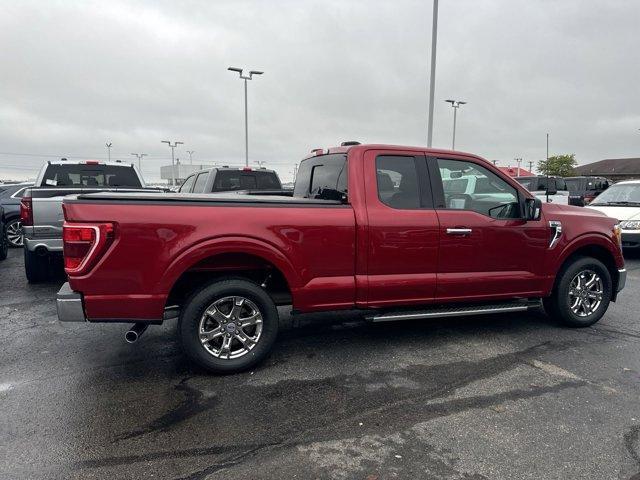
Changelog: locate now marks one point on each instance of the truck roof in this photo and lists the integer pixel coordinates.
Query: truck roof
(367, 146)
(96, 162)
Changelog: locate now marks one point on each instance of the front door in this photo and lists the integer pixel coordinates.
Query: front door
(403, 229)
(486, 249)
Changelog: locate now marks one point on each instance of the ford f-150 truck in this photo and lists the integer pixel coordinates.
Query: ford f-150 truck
(41, 205)
(368, 227)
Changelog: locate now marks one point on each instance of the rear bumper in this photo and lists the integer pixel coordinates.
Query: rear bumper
(70, 305)
(50, 244)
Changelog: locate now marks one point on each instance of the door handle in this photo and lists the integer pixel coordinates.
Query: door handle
(459, 231)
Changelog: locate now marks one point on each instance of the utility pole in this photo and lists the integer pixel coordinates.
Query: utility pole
(109, 145)
(139, 155)
(432, 81)
(191, 152)
(456, 105)
(530, 166)
(173, 160)
(246, 108)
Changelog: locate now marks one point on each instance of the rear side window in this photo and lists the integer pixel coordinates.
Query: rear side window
(322, 177)
(188, 183)
(83, 175)
(200, 183)
(397, 179)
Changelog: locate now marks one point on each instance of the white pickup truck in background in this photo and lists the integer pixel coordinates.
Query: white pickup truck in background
(41, 205)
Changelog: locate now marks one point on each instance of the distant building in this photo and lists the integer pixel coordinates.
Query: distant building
(613, 168)
(181, 171)
(517, 172)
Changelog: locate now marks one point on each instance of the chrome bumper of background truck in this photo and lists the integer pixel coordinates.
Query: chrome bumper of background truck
(69, 304)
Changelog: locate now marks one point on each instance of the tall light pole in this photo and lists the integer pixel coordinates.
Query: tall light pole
(191, 152)
(246, 113)
(547, 168)
(432, 81)
(139, 155)
(456, 105)
(518, 161)
(173, 159)
(109, 145)
(531, 166)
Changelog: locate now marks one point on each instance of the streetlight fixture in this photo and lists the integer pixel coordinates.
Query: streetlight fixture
(260, 163)
(139, 155)
(173, 159)
(191, 152)
(455, 104)
(432, 81)
(109, 145)
(246, 114)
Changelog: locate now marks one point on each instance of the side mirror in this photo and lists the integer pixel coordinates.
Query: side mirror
(532, 208)
(552, 188)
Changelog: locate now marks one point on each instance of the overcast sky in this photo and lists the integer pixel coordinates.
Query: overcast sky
(77, 74)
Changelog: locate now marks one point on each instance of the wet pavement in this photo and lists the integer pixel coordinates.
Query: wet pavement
(496, 397)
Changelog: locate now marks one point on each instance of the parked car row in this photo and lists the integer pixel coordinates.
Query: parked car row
(398, 232)
(10, 196)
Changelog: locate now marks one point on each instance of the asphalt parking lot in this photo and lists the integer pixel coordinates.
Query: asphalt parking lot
(500, 397)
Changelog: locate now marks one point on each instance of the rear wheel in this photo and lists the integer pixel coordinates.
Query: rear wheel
(13, 233)
(582, 293)
(36, 266)
(229, 326)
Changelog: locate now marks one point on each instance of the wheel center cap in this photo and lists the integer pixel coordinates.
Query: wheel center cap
(231, 327)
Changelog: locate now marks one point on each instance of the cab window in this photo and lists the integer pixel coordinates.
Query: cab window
(484, 191)
(188, 183)
(397, 179)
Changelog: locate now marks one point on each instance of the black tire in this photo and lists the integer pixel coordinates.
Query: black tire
(36, 267)
(194, 311)
(10, 224)
(558, 305)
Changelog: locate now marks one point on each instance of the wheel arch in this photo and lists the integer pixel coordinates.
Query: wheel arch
(238, 257)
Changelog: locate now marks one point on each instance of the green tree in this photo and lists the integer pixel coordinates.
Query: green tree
(558, 165)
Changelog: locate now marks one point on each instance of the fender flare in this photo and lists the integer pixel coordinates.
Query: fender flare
(227, 244)
(584, 240)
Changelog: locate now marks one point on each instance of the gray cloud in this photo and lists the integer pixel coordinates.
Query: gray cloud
(76, 74)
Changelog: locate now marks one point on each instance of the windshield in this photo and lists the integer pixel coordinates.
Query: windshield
(619, 194)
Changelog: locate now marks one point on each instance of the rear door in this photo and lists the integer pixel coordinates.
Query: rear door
(486, 249)
(402, 229)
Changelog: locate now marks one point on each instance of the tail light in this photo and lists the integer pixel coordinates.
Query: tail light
(26, 210)
(84, 244)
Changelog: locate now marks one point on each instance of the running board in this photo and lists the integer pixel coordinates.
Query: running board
(457, 311)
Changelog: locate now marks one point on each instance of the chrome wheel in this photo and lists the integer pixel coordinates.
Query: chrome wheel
(230, 327)
(14, 233)
(585, 293)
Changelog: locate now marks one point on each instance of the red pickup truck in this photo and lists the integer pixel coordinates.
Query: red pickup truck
(398, 232)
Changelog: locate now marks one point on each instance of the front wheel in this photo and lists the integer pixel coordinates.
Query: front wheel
(582, 293)
(229, 326)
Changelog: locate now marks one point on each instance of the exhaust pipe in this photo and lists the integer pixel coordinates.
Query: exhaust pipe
(135, 332)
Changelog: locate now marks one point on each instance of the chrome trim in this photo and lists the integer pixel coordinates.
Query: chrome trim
(556, 225)
(454, 313)
(622, 279)
(459, 231)
(69, 305)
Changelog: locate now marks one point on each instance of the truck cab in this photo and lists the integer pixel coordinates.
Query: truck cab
(226, 179)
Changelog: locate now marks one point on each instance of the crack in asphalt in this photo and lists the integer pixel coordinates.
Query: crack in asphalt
(191, 405)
